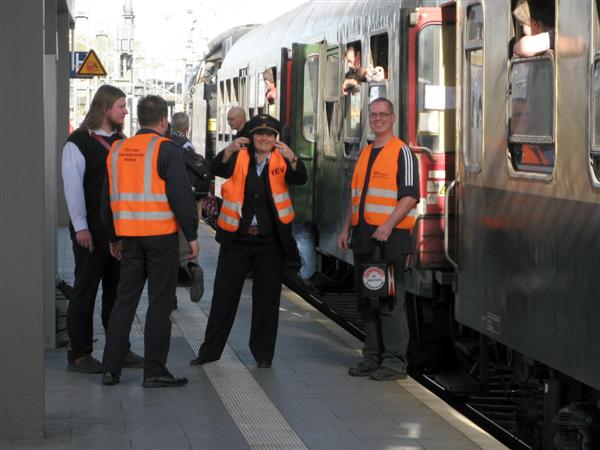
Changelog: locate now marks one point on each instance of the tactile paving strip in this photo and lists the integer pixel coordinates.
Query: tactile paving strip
(259, 421)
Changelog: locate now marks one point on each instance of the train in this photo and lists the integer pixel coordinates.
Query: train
(502, 281)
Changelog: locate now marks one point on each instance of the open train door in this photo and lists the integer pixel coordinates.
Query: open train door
(332, 185)
(431, 129)
(303, 97)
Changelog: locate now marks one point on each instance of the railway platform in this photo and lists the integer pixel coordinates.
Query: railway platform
(306, 400)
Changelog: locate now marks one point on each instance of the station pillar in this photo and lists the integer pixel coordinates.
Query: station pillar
(24, 224)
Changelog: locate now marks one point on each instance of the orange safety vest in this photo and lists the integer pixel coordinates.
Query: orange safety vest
(138, 195)
(232, 191)
(382, 192)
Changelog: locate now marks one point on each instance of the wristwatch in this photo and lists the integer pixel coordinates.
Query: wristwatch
(293, 160)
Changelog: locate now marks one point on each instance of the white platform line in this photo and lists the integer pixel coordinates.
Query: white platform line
(259, 421)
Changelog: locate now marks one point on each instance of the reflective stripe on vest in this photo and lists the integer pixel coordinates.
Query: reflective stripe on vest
(381, 197)
(232, 191)
(138, 197)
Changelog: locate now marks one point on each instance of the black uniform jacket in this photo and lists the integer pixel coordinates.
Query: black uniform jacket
(284, 231)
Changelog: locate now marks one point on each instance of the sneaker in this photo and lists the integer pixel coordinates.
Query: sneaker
(133, 361)
(387, 374)
(197, 283)
(85, 364)
(362, 370)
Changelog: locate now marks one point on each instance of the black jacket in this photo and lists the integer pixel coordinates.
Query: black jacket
(284, 231)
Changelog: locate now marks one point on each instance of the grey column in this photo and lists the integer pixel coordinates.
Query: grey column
(23, 224)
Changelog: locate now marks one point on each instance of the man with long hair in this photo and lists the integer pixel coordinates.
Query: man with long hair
(84, 169)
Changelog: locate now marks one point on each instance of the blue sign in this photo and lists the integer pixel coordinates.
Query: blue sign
(77, 59)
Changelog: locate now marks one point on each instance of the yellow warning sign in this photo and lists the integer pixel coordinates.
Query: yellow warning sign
(91, 66)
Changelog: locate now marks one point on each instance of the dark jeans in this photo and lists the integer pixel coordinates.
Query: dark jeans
(265, 258)
(90, 268)
(386, 328)
(156, 259)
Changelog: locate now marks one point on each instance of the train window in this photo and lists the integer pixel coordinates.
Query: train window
(378, 58)
(377, 90)
(243, 98)
(431, 93)
(310, 99)
(595, 100)
(222, 92)
(227, 91)
(473, 92)
(353, 112)
(531, 126)
(332, 97)
(235, 93)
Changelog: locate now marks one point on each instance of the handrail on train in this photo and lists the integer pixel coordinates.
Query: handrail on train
(446, 223)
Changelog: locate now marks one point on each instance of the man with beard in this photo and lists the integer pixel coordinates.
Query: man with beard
(84, 169)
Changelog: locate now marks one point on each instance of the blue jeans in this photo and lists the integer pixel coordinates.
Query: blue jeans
(305, 240)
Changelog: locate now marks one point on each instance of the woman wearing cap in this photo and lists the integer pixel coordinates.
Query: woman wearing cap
(255, 232)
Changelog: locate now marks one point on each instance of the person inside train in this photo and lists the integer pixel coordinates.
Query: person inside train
(270, 87)
(236, 118)
(198, 173)
(255, 233)
(382, 214)
(356, 73)
(83, 171)
(537, 19)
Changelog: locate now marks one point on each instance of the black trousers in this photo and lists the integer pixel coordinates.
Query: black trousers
(90, 268)
(265, 258)
(156, 259)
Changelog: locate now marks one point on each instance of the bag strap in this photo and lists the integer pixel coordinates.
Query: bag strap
(101, 140)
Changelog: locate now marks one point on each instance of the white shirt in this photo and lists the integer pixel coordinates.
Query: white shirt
(73, 170)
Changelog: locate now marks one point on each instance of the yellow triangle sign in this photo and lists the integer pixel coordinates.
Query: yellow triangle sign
(91, 66)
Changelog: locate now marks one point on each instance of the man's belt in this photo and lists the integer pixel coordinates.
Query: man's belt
(253, 230)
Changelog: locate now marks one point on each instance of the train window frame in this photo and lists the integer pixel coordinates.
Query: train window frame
(331, 105)
(517, 141)
(353, 102)
(429, 118)
(312, 138)
(471, 46)
(594, 110)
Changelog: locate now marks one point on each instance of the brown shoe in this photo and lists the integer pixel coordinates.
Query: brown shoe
(85, 364)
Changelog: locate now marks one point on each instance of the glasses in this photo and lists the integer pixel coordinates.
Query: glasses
(379, 115)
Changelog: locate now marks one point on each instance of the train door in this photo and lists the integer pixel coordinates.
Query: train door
(332, 193)
(431, 129)
(303, 114)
